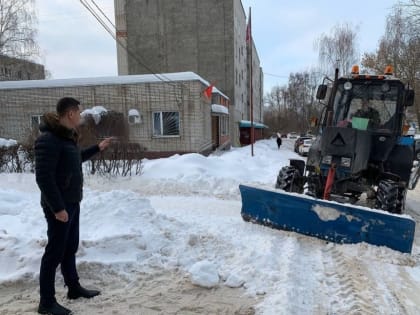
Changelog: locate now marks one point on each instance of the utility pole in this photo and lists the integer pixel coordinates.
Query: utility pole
(251, 107)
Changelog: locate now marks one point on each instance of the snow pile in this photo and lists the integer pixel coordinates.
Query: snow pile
(204, 274)
(6, 143)
(96, 112)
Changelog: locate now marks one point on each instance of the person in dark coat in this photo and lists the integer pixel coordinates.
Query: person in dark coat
(58, 172)
(278, 140)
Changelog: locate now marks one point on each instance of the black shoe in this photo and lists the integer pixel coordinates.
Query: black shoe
(79, 291)
(53, 309)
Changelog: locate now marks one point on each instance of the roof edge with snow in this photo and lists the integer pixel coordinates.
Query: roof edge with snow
(247, 124)
(110, 80)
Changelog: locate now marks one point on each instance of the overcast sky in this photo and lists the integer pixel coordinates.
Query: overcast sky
(73, 44)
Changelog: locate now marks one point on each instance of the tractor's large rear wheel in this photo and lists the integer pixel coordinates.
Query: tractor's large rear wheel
(290, 179)
(390, 197)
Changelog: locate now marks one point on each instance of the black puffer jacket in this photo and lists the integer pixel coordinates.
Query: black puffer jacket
(58, 164)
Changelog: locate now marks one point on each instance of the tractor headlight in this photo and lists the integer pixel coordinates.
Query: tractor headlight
(327, 159)
(345, 161)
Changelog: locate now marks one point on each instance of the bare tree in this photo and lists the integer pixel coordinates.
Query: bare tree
(394, 45)
(276, 99)
(338, 50)
(17, 28)
(291, 107)
(400, 47)
(412, 8)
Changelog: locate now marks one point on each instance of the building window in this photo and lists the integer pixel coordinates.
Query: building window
(166, 124)
(224, 125)
(36, 121)
(214, 99)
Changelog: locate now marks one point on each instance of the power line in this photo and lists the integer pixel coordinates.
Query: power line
(276, 75)
(109, 26)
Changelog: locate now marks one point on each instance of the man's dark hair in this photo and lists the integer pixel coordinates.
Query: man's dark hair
(65, 104)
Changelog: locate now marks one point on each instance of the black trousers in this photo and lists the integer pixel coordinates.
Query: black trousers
(63, 242)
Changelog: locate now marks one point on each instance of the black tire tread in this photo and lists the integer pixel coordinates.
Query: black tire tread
(290, 180)
(390, 196)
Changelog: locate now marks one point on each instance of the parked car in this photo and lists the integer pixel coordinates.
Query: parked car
(304, 147)
(417, 148)
(292, 135)
(299, 141)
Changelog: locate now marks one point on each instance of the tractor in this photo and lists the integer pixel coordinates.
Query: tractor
(353, 185)
(361, 154)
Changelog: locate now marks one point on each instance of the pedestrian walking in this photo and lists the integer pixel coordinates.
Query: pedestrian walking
(278, 140)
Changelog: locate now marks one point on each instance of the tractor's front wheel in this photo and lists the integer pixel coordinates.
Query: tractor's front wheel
(289, 179)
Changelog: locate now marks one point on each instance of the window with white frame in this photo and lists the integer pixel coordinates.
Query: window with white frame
(36, 121)
(166, 124)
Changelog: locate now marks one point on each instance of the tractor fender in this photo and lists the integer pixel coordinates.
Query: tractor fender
(400, 161)
(299, 165)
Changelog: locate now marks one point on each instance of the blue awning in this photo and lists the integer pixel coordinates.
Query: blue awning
(247, 124)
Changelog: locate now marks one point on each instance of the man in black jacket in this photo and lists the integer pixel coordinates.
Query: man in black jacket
(58, 170)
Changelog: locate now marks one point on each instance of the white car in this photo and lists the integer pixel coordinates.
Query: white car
(304, 147)
(292, 135)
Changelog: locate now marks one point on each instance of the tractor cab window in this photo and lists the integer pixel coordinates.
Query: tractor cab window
(366, 106)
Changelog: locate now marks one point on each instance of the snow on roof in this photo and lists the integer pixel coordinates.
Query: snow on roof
(247, 124)
(133, 112)
(216, 108)
(122, 79)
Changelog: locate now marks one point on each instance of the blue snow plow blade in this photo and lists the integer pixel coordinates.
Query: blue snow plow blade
(326, 220)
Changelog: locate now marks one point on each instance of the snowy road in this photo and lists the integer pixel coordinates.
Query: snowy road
(313, 277)
(185, 210)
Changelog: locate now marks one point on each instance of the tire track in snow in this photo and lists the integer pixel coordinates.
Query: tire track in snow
(298, 290)
(348, 284)
(398, 297)
(414, 213)
(307, 292)
(358, 286)
(408, 292)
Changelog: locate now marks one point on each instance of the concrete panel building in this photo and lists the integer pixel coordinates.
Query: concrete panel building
(206, 37)
(166, 116)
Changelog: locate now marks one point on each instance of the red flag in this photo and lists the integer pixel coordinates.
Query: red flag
(248, 28)
(208, 91)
